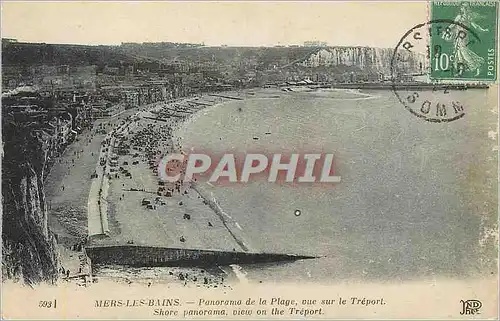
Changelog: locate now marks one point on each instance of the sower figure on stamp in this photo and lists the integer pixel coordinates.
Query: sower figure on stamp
(465, 58)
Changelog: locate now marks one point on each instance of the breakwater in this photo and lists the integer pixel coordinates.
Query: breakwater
(148, 256)
(406, 86)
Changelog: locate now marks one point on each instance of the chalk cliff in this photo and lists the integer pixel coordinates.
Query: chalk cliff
(365, 58)
(29, 248)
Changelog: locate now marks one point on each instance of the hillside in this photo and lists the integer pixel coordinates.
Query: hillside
(151, 55)
(27, 54)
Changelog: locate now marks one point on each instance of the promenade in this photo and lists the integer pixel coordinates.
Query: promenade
(67, 188)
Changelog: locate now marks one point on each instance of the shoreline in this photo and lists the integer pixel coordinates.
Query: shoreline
(217, 236)
(389, 85)
(178, 113)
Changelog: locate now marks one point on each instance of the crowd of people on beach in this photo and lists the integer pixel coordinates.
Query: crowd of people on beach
(154, 139)
(148, 140)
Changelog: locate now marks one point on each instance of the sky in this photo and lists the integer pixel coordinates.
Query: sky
(367, 23)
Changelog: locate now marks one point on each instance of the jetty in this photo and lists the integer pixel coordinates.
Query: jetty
(401, 86)
(150, 256)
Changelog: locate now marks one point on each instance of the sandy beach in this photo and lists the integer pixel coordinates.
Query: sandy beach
(116, 161)
(140, 209)
(67, 200)
(179, 216)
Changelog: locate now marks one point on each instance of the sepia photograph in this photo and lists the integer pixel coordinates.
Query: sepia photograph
(249, 159)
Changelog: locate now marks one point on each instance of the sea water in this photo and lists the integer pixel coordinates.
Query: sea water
(415, 200)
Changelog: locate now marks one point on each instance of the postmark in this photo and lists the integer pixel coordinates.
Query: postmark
(455, 55)
(431, 100)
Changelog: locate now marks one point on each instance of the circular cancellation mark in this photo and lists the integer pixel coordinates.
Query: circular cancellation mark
(413, 57)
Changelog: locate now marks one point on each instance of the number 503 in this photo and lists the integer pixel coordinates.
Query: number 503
(48, 304)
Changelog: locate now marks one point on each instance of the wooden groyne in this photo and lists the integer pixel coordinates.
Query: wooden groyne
(162, 119)
(176, 110)
(202, 104)
(224, 96)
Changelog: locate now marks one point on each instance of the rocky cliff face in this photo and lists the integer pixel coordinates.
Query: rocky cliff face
(29, 248)
(365, 58)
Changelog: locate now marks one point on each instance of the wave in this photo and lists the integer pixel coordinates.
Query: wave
(214, 205)
(323, 93)
(239, 272)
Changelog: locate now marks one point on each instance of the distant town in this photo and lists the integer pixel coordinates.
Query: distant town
(102, 80)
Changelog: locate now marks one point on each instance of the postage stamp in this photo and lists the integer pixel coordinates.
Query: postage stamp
(249, 160)
(466, 49)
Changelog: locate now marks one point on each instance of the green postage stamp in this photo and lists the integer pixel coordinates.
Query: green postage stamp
(467, 49)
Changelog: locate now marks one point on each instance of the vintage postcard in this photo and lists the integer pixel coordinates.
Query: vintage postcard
(250, 160)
